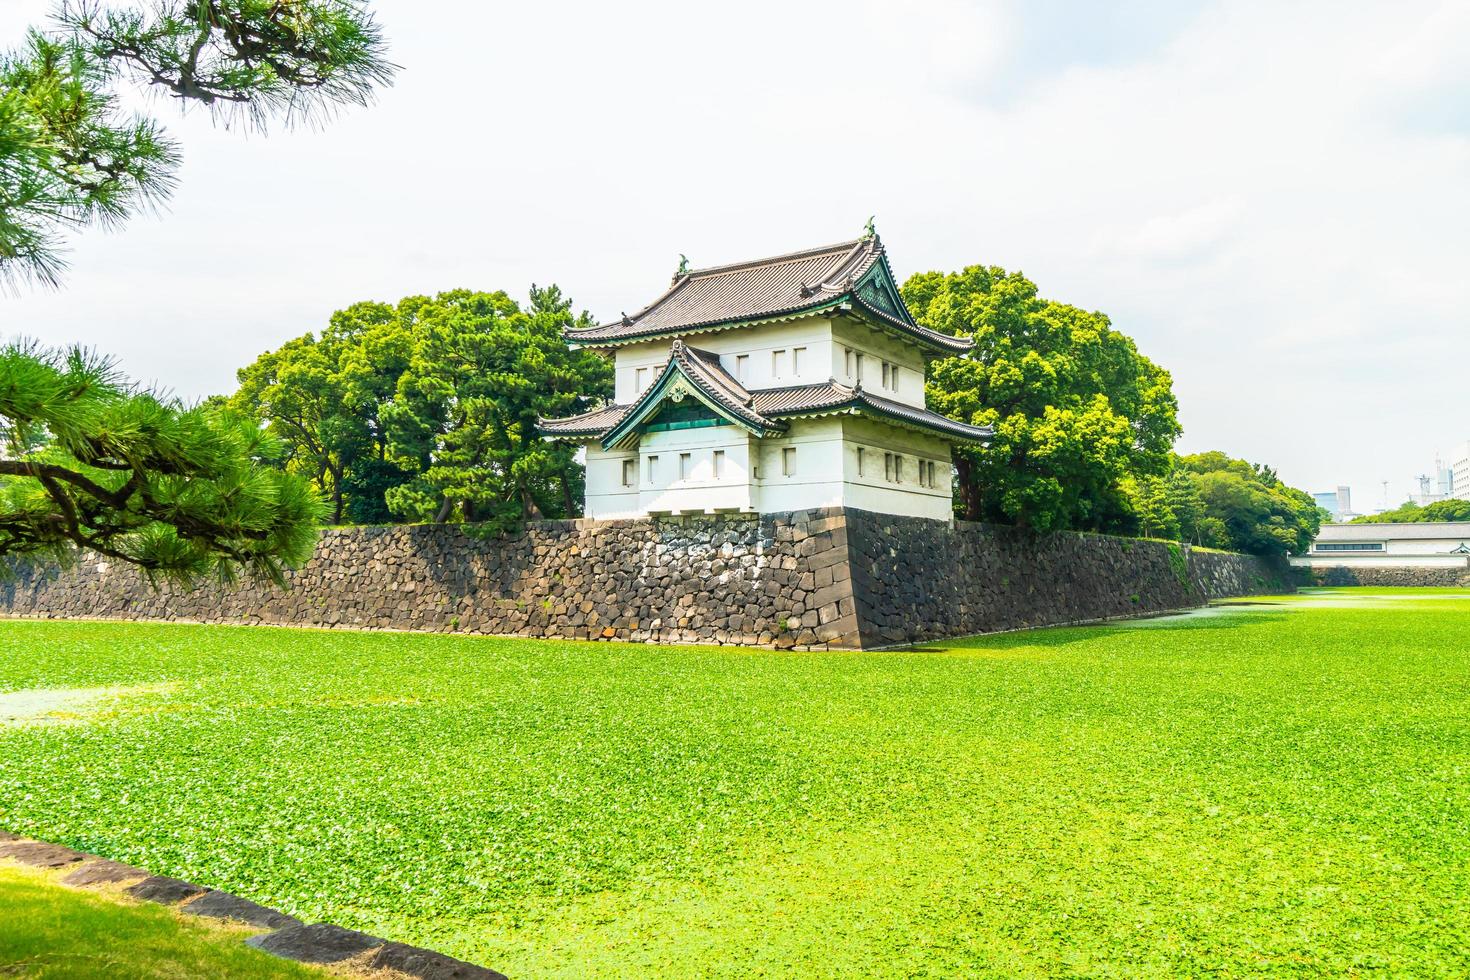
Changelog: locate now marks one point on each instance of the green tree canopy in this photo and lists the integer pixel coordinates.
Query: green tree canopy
(1241, 506)
(1410, 512)
(1077, 410)
(427, 410)
(70, 157)
(322, 397)
(89, 462)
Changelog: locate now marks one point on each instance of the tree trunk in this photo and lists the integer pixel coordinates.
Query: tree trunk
(969, 493)
(572, 510)
(446, 507)
(529, 510)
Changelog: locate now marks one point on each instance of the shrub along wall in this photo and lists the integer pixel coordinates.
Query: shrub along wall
(809, 579)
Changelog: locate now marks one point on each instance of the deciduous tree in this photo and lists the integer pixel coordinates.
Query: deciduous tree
(1247, 507)
(484, 369)
(1076, 409)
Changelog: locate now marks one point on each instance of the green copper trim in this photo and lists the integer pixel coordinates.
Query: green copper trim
(631, 424)
(683, 424)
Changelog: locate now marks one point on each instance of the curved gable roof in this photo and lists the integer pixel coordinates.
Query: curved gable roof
(709, 383)
(783, 285)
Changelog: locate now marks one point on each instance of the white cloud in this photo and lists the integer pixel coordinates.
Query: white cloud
(1274, 200)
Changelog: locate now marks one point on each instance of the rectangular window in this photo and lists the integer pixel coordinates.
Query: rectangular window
(778, 364)
(640, 380)
(860, 460)
(797, 357)
(897, 468)
(888, 467)
(788, 461)
(1356, 546)
(719, 464)
(847, 361)
(885, 374)
(684, 463)
(742, 367)
(630, 471)
(932, 481)
(652, 468)
(858, 374)
(893, 378)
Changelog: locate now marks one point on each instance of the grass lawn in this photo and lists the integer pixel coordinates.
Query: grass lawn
(50, 931)
(1279, 789)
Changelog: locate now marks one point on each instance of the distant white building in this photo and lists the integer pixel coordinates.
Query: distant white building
(779, 384)
(1434, 544)
(1459, 474)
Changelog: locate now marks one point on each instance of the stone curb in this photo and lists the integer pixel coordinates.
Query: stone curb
(291, 939)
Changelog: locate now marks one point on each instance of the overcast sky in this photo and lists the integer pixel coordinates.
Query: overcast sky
(1272, 198)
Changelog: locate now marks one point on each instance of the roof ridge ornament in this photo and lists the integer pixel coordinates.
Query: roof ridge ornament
(683, 269)
(870, 230)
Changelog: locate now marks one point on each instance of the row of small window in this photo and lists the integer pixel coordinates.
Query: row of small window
(893, 468)
(686, 467)
(1366, 546)
(787, 363)
(852, 362)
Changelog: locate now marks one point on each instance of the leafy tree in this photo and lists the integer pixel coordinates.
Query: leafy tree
(1247, 508)
(90, 462)
(483, 371)
(427, 410)
(322, 397)
(1150, 501)
(1077, 410)
(1186, 505)
(70, 157)
(1440, 510)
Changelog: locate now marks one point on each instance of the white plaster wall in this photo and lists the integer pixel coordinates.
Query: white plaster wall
(700, 491)
(758, 343)
(877, 346)
(825, 473)
(1394, 546)
(872, 490)
(816, 479)
(607, 498)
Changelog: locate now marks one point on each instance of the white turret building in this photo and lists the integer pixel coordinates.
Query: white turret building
(775, 385)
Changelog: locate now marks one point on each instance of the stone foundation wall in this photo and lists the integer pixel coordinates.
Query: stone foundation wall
(1410, 576)
(810, 580)
(917, 580)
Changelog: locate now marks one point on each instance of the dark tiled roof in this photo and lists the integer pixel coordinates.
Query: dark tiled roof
(832, 397)
(593, 423)
(778, 286)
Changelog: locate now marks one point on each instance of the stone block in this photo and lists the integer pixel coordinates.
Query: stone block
(316, 943)
(222, 905)
(164, 890)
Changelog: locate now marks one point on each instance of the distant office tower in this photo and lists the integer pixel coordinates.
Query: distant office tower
(1344, 502)
(1444, 478)
(1460, 473)
(1327, 500)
